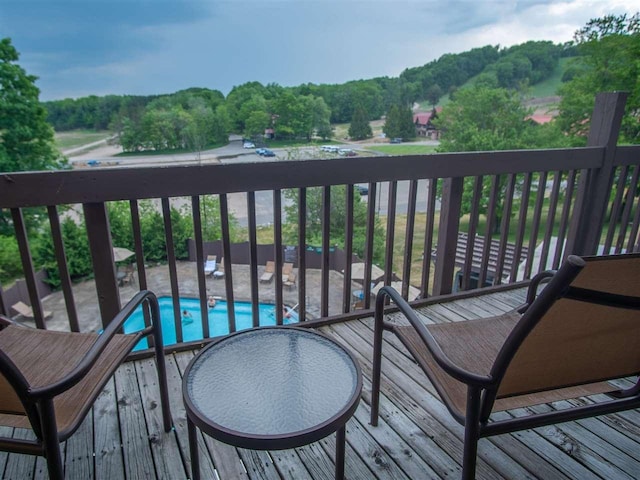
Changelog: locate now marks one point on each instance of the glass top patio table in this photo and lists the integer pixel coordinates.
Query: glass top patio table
(272, 388)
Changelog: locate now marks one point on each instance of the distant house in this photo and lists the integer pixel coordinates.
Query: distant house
(269, 133)
(424, 124)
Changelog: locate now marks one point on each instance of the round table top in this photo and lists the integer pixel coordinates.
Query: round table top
(272, 387)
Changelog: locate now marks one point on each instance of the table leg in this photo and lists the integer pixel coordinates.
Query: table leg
(340, 445)
(193, 450)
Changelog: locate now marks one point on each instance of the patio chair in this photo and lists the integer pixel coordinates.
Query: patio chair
(269, 271)
(568, 341)
(49, 380)
(290, 281)
(27, 312)
(126, 275)
(210, 264)
(219, 272)
(287, 269)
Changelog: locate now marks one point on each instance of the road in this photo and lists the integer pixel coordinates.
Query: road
(105, 155)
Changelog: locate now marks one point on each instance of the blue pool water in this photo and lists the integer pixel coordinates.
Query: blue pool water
(218, 321)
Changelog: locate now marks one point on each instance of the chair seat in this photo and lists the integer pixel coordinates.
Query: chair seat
(30, 349)
(474, 345)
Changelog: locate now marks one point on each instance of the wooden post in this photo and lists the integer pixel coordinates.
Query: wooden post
(595, 185)
(448, 234)
(99, 234)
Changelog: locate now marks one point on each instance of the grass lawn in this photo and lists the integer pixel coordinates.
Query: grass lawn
(78, 138)
(549, 87)
(400, 149)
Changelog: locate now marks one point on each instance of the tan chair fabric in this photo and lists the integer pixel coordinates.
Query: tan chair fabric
(269, 271)
(45, 356)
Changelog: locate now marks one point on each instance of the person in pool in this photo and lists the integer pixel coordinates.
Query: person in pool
(212, 301)
(187, 317)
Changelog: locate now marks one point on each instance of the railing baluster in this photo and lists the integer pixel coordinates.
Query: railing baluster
(368, 246)
(504, 227)
(228, 269)
(449, 227)
(564, 219)
(104, 268)
(326, 226)
(533, 234)
(253, 253)
(551, 216)
(474, 218)
(27, 266)
(348, 249)
(63, 270)
(408, 239)
(302, 253)
(616, 206)
(173, 273)
(138, 249)
(488, 234)
(428, 236)
(522, 225)
(391, 222)
(202, 283)
(277, 245)
(633, 245)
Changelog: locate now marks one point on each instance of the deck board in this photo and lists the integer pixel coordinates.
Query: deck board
(416, 437)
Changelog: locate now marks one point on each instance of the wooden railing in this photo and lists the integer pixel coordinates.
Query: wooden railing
(555, 202)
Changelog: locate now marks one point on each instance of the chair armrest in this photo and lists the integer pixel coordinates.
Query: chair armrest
(431, 344)
(532, 291)
(85, 364)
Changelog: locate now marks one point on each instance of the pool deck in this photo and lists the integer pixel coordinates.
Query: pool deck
(86, 299)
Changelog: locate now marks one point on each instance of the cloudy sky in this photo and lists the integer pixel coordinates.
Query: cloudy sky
(99, 47)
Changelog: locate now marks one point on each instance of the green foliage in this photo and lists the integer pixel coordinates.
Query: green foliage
(399, 123)
(609, 48)
(484, 119)
(337, 221)
(186, 121)
(360, 127)
(10, 263)
(26, 140)
(77, 252)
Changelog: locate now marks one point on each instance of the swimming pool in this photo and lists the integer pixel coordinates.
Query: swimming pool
(192, 331)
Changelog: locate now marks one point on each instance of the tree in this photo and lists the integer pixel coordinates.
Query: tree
(26, 139)
(609, 48)
(484, 119)
(433, 94)
(337, 221)
(360, 127)
(399, 123)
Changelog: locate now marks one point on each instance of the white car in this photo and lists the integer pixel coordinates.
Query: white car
(329, 148)
(248, 145)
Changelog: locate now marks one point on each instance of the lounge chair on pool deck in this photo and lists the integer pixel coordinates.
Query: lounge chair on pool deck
(269, 271)
(581, 331)
(49, 380)
(27, 312)
(287, 269)
(210, 264)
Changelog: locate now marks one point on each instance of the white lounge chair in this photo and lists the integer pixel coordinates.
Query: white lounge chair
(26, 311)
(210, 264)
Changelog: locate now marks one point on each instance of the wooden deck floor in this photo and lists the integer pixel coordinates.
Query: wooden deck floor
(416, 438)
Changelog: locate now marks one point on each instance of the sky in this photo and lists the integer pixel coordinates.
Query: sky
(145, 47)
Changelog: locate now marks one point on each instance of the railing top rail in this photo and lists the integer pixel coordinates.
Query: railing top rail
(28, 189)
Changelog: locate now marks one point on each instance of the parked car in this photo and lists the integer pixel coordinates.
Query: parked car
(267, 153)
(347, 152)
(396, 140)
(362, 189)
(93, 163)
(260, 151)
(329, 148)
(249, 145)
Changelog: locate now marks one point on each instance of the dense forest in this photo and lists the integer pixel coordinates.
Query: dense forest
(198, 117)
